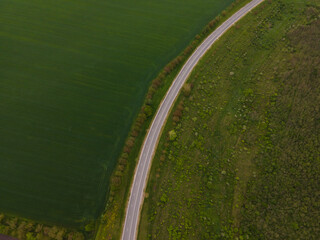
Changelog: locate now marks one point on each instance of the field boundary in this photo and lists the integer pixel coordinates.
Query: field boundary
(148, 150)
(121, 180)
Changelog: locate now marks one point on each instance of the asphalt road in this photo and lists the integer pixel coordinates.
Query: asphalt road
(130, 229)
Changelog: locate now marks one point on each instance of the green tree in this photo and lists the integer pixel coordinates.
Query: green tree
(172, 135)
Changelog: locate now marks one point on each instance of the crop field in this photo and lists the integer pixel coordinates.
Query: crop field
(73, 75)
(239, 155)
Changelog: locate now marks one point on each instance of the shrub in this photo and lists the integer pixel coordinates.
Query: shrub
(130, 142)
(186, 89)
(123, 161)
(172, 135)
(116, 181)
(148, 111)
(176, 119)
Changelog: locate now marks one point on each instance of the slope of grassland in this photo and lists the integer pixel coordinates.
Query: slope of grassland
(73, 76)
(239, 156)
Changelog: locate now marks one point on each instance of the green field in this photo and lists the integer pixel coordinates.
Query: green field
(73, 75)
(239, 156)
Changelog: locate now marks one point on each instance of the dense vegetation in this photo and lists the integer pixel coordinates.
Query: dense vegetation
(30, 230)
(239, 157)
(73, 76)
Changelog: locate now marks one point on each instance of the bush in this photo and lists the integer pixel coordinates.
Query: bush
(123, 161)
(176, 119)
(130, 142)
(186, 89)
(172, 135)
(148, 111)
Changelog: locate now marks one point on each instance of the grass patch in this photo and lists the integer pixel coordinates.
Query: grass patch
(246, 153)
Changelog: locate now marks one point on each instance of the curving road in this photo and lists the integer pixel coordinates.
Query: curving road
(130, 229)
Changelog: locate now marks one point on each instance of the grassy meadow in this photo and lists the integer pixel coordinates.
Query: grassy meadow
(73, 75)
(239, 156)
